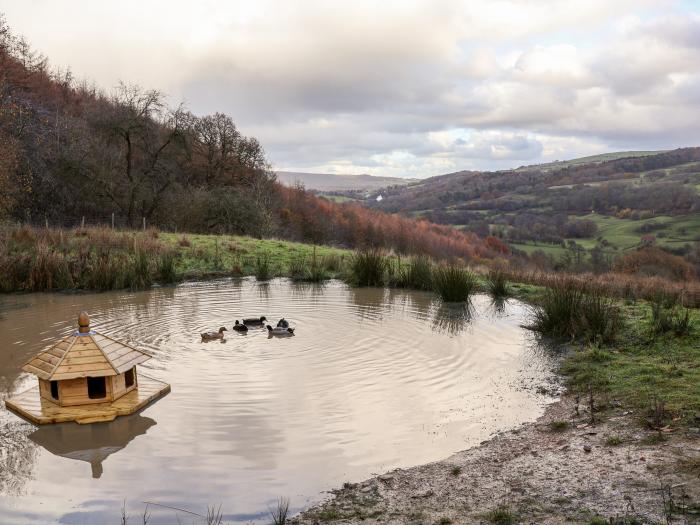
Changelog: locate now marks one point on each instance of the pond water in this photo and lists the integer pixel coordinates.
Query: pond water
(373, 380)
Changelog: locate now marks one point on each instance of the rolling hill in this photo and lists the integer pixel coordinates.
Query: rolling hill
(606, 203)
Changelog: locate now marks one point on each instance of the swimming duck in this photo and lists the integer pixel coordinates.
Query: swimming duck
(283, 323)
(280, 330)
(255, 322)
(238, 327)
(210, 336)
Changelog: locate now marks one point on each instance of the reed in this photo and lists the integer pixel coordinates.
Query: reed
(416, 275)
(367, 268)
(601, 318)
(263, 267)
(166, 266)
(669, 317)
(497, 284)
(454, 284)
(140, 272)
(333, 263)
(572, 310)
(558, 313)
(302, 269)
(296, 268)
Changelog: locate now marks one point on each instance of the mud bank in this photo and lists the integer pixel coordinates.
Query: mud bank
(560, 469)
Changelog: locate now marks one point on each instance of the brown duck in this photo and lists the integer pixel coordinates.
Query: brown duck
(210, 336)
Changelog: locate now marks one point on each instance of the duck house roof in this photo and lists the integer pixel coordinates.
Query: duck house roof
(85, 353)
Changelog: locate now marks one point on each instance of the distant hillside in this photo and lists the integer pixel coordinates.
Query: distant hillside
(591, 159)
(331, 182)
(588, 209)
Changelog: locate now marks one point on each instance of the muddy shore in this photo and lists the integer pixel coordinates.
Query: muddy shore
(559, 469)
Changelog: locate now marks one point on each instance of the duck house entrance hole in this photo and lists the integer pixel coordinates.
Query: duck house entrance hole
(97, 387)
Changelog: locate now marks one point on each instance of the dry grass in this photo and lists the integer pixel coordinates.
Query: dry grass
(618, 285)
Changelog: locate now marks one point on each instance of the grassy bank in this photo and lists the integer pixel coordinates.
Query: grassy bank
(651, 370)
(38, 259)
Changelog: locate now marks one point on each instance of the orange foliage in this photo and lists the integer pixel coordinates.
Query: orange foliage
(307, 217)
(655, 262)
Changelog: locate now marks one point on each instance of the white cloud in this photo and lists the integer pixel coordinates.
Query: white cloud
(400, 87)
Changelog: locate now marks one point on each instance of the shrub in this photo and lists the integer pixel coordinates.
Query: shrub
(367, 268)
(653, 261)
(280, 512)
(453, 283)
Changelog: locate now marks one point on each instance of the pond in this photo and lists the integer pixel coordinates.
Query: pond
(372, 380)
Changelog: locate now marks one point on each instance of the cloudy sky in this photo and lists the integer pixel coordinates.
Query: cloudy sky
(405, 88)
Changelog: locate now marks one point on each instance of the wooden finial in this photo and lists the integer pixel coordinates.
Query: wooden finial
(83, 323)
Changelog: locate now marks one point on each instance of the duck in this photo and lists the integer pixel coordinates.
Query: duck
(238, 327)
(210, 336)
(255, 322)
(283, 323)
(280, 331)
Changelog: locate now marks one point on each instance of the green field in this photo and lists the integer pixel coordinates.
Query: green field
(622, 234)
(224, 254)
(593, 158)
(338, 198)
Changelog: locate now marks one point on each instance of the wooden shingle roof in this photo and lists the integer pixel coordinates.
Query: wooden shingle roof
(85, 354)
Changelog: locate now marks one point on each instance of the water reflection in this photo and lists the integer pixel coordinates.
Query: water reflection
(498, 305)
(92, 443)
(417, 304)
(453, 318)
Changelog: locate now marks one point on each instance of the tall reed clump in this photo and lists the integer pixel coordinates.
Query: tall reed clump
(140, 276)
(49, 270)
(454, 284)
(667, 316)
(416, 275)
(497, 284)
(263, 267)
(568, 310)
(367, 268)
(296, 268)
(311, 270)
(166, 266)
(333, 263)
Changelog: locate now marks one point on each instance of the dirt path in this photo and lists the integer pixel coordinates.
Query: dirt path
(538, 474)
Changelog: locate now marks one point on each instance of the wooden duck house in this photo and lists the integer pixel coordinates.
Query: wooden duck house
(86, 377)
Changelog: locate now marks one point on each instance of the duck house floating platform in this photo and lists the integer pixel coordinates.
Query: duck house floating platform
(86, 377)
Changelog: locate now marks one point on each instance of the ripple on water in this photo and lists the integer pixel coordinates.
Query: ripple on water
(373, 379)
